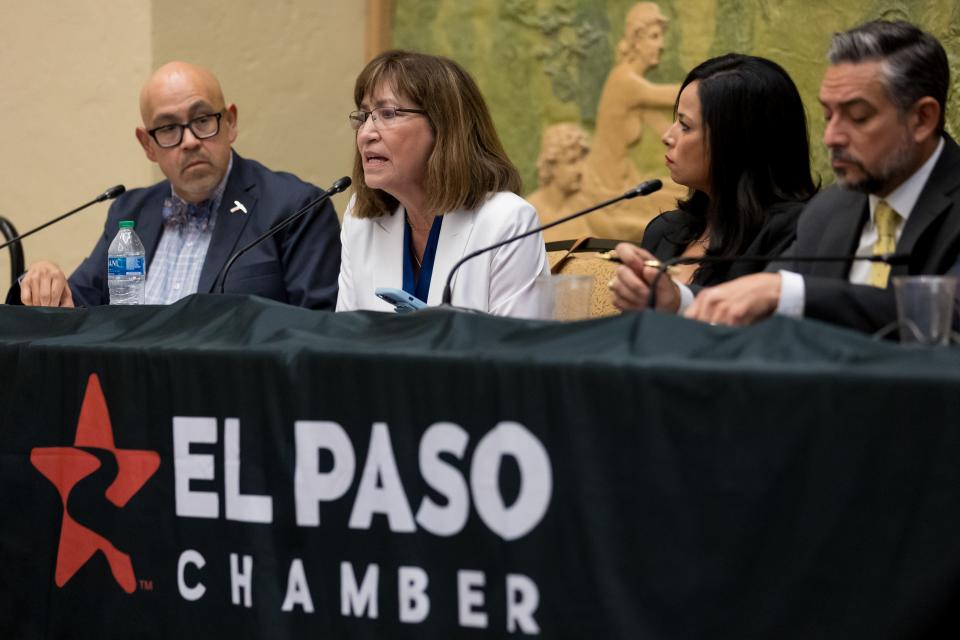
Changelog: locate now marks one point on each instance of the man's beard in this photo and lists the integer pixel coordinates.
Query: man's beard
(896, 166)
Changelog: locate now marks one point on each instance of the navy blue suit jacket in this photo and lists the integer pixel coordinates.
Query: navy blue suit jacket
(298, 266)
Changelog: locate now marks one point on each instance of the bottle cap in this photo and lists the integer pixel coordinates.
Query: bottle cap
(126, 224)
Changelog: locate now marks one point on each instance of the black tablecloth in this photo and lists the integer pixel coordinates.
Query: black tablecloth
(632, 477)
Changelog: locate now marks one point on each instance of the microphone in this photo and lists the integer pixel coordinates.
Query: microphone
(109, 194)
(642, 189)
(892, 259)
(340, 185)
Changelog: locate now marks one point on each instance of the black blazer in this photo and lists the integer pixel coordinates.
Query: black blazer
(665, 233)
(832, 224)
(298, 266)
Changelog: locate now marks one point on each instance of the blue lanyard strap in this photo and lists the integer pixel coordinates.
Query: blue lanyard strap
(419, 285)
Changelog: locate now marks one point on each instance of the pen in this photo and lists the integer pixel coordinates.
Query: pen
(612, 256)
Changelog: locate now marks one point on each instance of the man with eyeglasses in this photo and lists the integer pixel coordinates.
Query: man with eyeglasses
(212, 203)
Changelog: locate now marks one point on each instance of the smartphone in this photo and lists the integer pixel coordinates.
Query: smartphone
(402, 301)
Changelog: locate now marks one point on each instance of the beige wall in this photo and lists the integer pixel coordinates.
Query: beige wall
(72, 72)
(289, 66)
(70, 76)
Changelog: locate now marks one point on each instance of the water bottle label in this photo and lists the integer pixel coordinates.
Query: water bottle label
(124, 266)
(135, 266)
(117, 266)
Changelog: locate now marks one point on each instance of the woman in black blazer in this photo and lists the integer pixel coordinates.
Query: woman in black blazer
(739, 143)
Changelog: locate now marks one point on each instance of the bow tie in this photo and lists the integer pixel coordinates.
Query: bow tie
(178, 214)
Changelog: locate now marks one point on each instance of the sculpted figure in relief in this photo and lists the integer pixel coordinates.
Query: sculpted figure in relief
(629, 106)
(560, 173)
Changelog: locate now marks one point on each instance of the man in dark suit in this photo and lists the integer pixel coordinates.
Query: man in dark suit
(883, 96)
(212, 203)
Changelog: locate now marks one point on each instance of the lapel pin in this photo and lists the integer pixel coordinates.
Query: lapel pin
(238, 206)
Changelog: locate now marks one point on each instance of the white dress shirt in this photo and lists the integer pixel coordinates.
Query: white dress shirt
(174, 271)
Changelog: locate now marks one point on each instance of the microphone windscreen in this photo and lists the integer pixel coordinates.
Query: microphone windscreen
(650, 186)
(340, 185)
(644, 189)
(112, 193)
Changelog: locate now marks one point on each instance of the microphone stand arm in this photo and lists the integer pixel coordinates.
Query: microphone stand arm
(447, 293)
(271, 231)
(664, 266)
(99, 198)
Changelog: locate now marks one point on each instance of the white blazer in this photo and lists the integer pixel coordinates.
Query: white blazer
(500, 282)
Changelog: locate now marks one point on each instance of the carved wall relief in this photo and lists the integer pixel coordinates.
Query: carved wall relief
(630, 107)
(563, 149)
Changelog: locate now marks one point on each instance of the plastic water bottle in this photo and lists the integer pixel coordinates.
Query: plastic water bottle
(126, 267)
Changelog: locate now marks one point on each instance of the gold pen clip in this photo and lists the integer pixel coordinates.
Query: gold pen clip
(609, 255)
(656, 264)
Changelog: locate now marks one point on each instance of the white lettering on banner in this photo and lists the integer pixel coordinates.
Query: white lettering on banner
(470, 599)
(326, 470)
(193, 466)
(412, 591)
(310, 486)
(298, 592)
(523, 598)
(241, 580)
(362, 600)
(188, 593)
(380, 488)
(536, 480)
(355, 600)
(239, 507)
(445, 479)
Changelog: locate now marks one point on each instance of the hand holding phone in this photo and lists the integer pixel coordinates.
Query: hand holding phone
(402, 301)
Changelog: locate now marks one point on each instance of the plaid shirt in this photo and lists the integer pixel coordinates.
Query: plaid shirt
(175, 270)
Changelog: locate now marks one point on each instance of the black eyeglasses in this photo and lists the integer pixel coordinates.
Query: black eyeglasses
(202, 127)
(382, 116)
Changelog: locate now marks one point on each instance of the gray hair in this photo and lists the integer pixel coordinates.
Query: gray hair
(913, 61)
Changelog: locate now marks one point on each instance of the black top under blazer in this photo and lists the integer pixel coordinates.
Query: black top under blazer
(664, 238)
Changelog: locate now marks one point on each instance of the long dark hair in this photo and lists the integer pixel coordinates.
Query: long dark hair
(756, 131)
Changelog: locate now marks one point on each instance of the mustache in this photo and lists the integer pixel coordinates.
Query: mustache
(843, 156)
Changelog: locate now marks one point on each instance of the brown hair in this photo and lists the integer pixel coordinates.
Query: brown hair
(467, 162)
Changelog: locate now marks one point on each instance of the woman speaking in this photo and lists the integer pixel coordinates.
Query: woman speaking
(433, 183)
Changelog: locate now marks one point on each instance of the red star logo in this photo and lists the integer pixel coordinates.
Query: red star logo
(66, 466)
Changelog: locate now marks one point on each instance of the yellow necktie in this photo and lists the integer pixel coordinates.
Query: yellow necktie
(886, 220)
